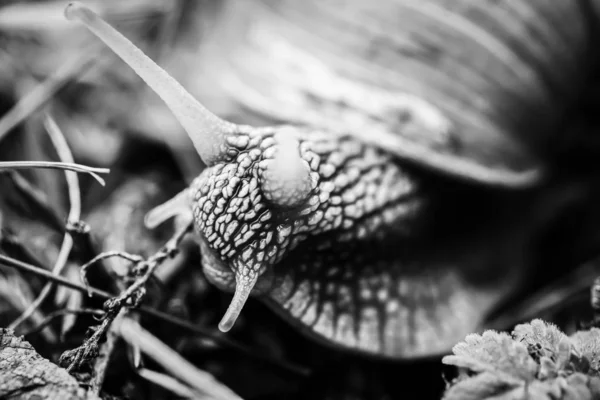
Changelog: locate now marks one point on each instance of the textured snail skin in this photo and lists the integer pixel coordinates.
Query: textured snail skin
(341, 266)
(355, 191)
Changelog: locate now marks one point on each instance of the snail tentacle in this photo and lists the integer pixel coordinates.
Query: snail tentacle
(178, 205)
(206, 130)
(245, 282)
(286, 178)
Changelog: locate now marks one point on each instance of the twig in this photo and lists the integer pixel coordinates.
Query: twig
(56, 165)
(102, 361)
(90, 349)
(131, 297)
(64, 153)
(45, 90)
(200, 380)
(148, 266)
(83, 271)
(59, 313)
(11, 262)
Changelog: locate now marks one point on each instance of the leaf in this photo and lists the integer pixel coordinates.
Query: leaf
(557, 367)
(541, 338)
(548, 368)
(26, 374)
(493, 352)
(482, 386)
(594, 385)
(588, 344)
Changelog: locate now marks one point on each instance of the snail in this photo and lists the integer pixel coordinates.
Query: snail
(315, 216)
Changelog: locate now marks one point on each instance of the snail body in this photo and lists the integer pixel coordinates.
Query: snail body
(317, 216)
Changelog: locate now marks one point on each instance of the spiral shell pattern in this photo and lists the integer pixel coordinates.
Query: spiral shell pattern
(502, 73)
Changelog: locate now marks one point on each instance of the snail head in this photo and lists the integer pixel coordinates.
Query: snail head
(254, 180)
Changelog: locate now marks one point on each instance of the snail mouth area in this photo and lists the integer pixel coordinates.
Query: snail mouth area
(223, 276)
(243, 280)
(225, 279)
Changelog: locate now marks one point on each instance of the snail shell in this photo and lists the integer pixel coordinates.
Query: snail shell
(498, 75)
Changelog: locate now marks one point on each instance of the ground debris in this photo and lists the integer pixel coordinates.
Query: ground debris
(24, 374)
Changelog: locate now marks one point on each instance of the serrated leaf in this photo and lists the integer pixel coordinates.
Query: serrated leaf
(541, 338)
(563, 365)
(565, 353)
(588, 345)
(594, 385)
(493, 351)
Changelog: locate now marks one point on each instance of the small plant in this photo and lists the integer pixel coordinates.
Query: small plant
(537, 361)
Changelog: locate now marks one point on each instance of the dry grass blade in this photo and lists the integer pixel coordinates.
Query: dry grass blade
(61, 313)
(21, 266)
(64, 153)
(16, 295)
(199, 380)
(12, 165)
(168, 383)
(45, 90)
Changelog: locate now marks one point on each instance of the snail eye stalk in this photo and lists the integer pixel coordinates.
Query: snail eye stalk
(286, 179)
(286, 176)
(206, 130)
